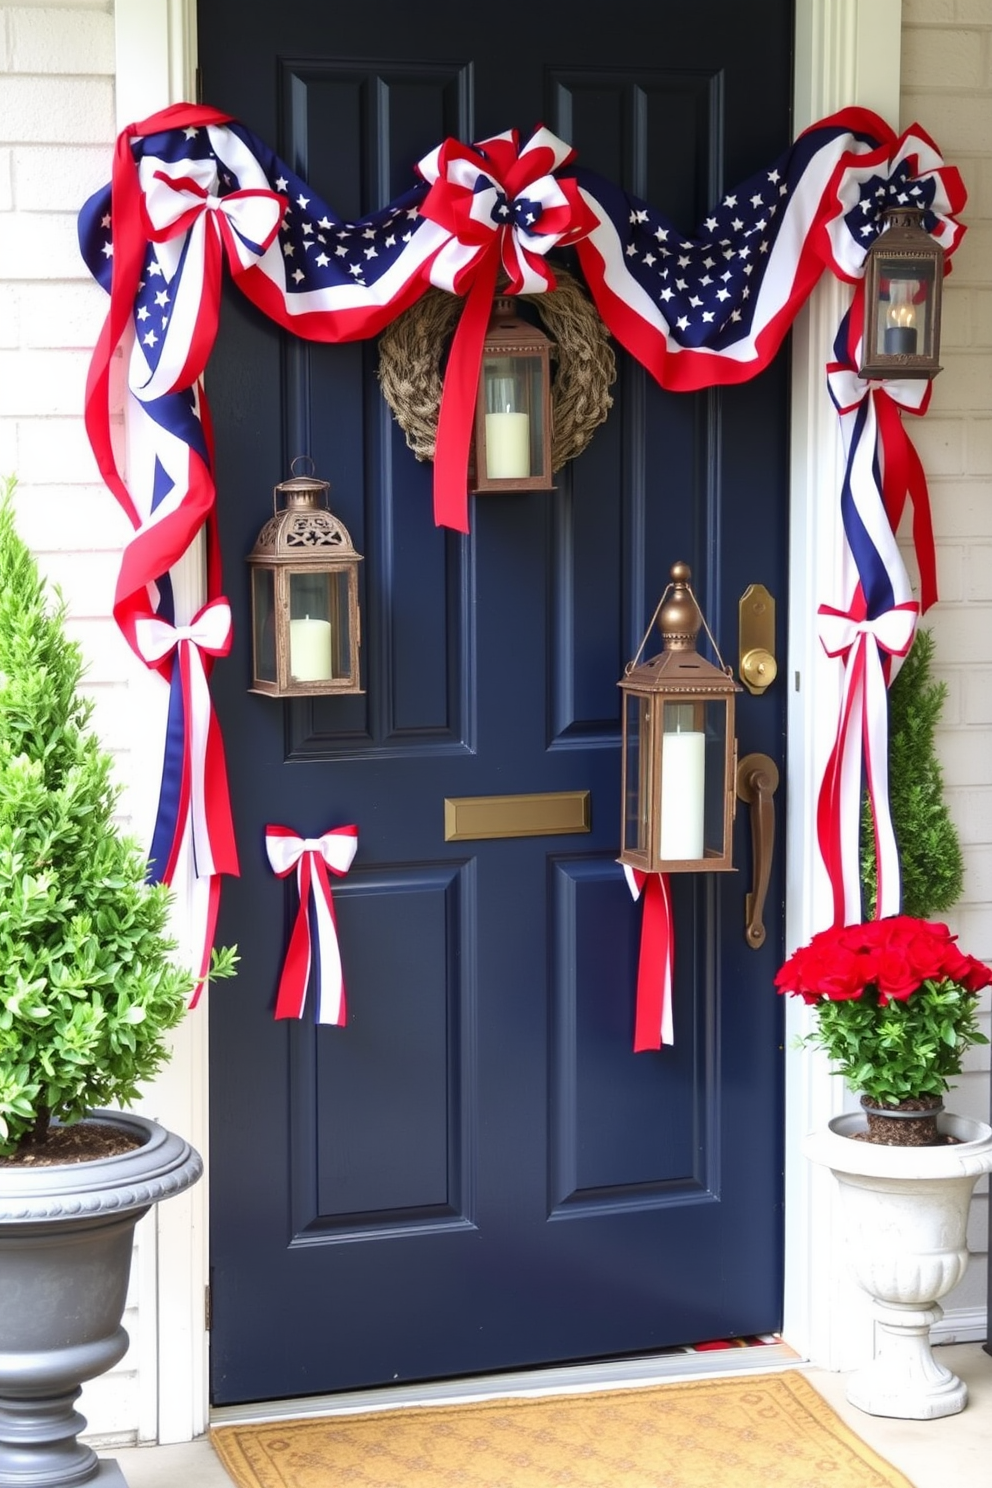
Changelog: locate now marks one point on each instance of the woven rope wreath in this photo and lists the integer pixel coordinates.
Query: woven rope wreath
(410, 352)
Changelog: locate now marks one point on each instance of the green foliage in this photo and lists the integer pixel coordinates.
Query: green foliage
(901, 1050)
(929, 851)
(88, 984)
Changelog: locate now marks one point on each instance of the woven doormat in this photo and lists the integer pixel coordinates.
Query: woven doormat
(770, 1430)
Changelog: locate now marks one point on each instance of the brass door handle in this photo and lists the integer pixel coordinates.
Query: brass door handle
(757, 782)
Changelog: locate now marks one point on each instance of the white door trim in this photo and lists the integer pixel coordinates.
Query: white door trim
(847, 52)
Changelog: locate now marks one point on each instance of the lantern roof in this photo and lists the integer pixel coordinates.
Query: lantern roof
(304, 531)
(681, 671)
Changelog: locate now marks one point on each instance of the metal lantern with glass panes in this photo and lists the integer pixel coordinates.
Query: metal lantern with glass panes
(679, 747)
(512, 444)
(305, 621)
(904, 272)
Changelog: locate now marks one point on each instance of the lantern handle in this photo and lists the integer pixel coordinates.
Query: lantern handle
(729, 671)
(310, 460)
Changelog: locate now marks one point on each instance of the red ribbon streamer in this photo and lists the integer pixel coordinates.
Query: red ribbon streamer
(656, 961)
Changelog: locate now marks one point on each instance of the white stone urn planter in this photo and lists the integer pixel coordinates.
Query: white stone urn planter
(906, 1210)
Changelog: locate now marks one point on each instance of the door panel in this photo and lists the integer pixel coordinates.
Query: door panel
(477, 1173)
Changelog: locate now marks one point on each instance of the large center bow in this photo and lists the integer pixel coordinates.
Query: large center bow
(505, 209)
(862, 727)
(313, 858)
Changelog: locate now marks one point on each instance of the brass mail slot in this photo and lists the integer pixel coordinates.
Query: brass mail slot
(548, 814)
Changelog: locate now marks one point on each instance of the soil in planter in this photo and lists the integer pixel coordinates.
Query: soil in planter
(85, 1141)
(899, 1126)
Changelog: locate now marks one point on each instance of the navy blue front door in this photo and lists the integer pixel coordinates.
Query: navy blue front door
(477, 1173)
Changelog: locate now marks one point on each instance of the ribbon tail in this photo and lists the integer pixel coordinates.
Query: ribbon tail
(838, 813)
(458, 400)
(904, 475)
(653, 1025)
(296, 967)
(331, 1006)
(876, 749)
(207, 903)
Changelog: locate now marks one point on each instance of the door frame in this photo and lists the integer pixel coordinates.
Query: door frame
(846, 52)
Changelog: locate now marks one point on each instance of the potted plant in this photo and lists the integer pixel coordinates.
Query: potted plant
(895, 1005)
(89, 989)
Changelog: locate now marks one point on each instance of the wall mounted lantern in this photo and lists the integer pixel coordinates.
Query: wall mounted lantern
(512, 444)
(679, 747)
(305, 622)
(904, 273)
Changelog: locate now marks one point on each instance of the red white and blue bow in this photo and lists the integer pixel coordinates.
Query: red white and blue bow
(653, 1018)
(503, 208)
(194, 809)
(865, 646)
(313, 943)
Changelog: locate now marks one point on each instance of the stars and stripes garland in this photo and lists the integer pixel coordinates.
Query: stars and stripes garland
(193, 190)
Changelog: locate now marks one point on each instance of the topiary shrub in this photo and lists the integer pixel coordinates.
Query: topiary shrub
(929, 850)
(88, 984)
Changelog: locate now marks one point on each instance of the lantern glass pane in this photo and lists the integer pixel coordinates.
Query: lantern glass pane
(716, 717)
(904, 319)
(692, 785)
(636, 804)
(311, 627)
(263, 624)
(514, 417)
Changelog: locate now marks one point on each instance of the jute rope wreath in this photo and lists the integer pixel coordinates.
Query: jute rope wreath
(411, 348)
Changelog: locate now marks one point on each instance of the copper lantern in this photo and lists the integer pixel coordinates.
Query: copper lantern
(305, 620)
(904, 272)
(679, 748)
(512, 444)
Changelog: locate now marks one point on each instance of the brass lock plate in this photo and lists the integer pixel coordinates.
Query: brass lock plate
(757, 666)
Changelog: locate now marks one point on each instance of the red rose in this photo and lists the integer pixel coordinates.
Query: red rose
(835, 972)
(972, 975)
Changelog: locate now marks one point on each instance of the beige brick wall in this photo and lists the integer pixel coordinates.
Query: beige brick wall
(947, 87)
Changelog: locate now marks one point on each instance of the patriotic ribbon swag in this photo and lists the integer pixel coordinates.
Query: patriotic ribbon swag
(313, 945)
(193, 190)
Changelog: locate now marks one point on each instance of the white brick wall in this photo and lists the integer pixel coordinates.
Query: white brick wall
(947, 86)
(56, 145)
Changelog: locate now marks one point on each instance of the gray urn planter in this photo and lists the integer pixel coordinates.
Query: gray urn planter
(66, 1234)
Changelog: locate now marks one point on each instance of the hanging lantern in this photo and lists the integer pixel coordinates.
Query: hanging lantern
(305, 621)
(512, 444)
(679, 747)
(904, 272)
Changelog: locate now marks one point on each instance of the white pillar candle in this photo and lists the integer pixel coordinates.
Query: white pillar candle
(683, 765)
(507, 446)
(310, 650)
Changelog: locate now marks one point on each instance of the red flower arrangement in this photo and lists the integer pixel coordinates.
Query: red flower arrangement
(895, 1003)
(896, 956)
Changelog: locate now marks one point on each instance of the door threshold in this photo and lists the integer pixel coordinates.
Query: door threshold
(649, 1369)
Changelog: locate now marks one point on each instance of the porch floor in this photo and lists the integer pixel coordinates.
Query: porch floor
(932, 1454)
